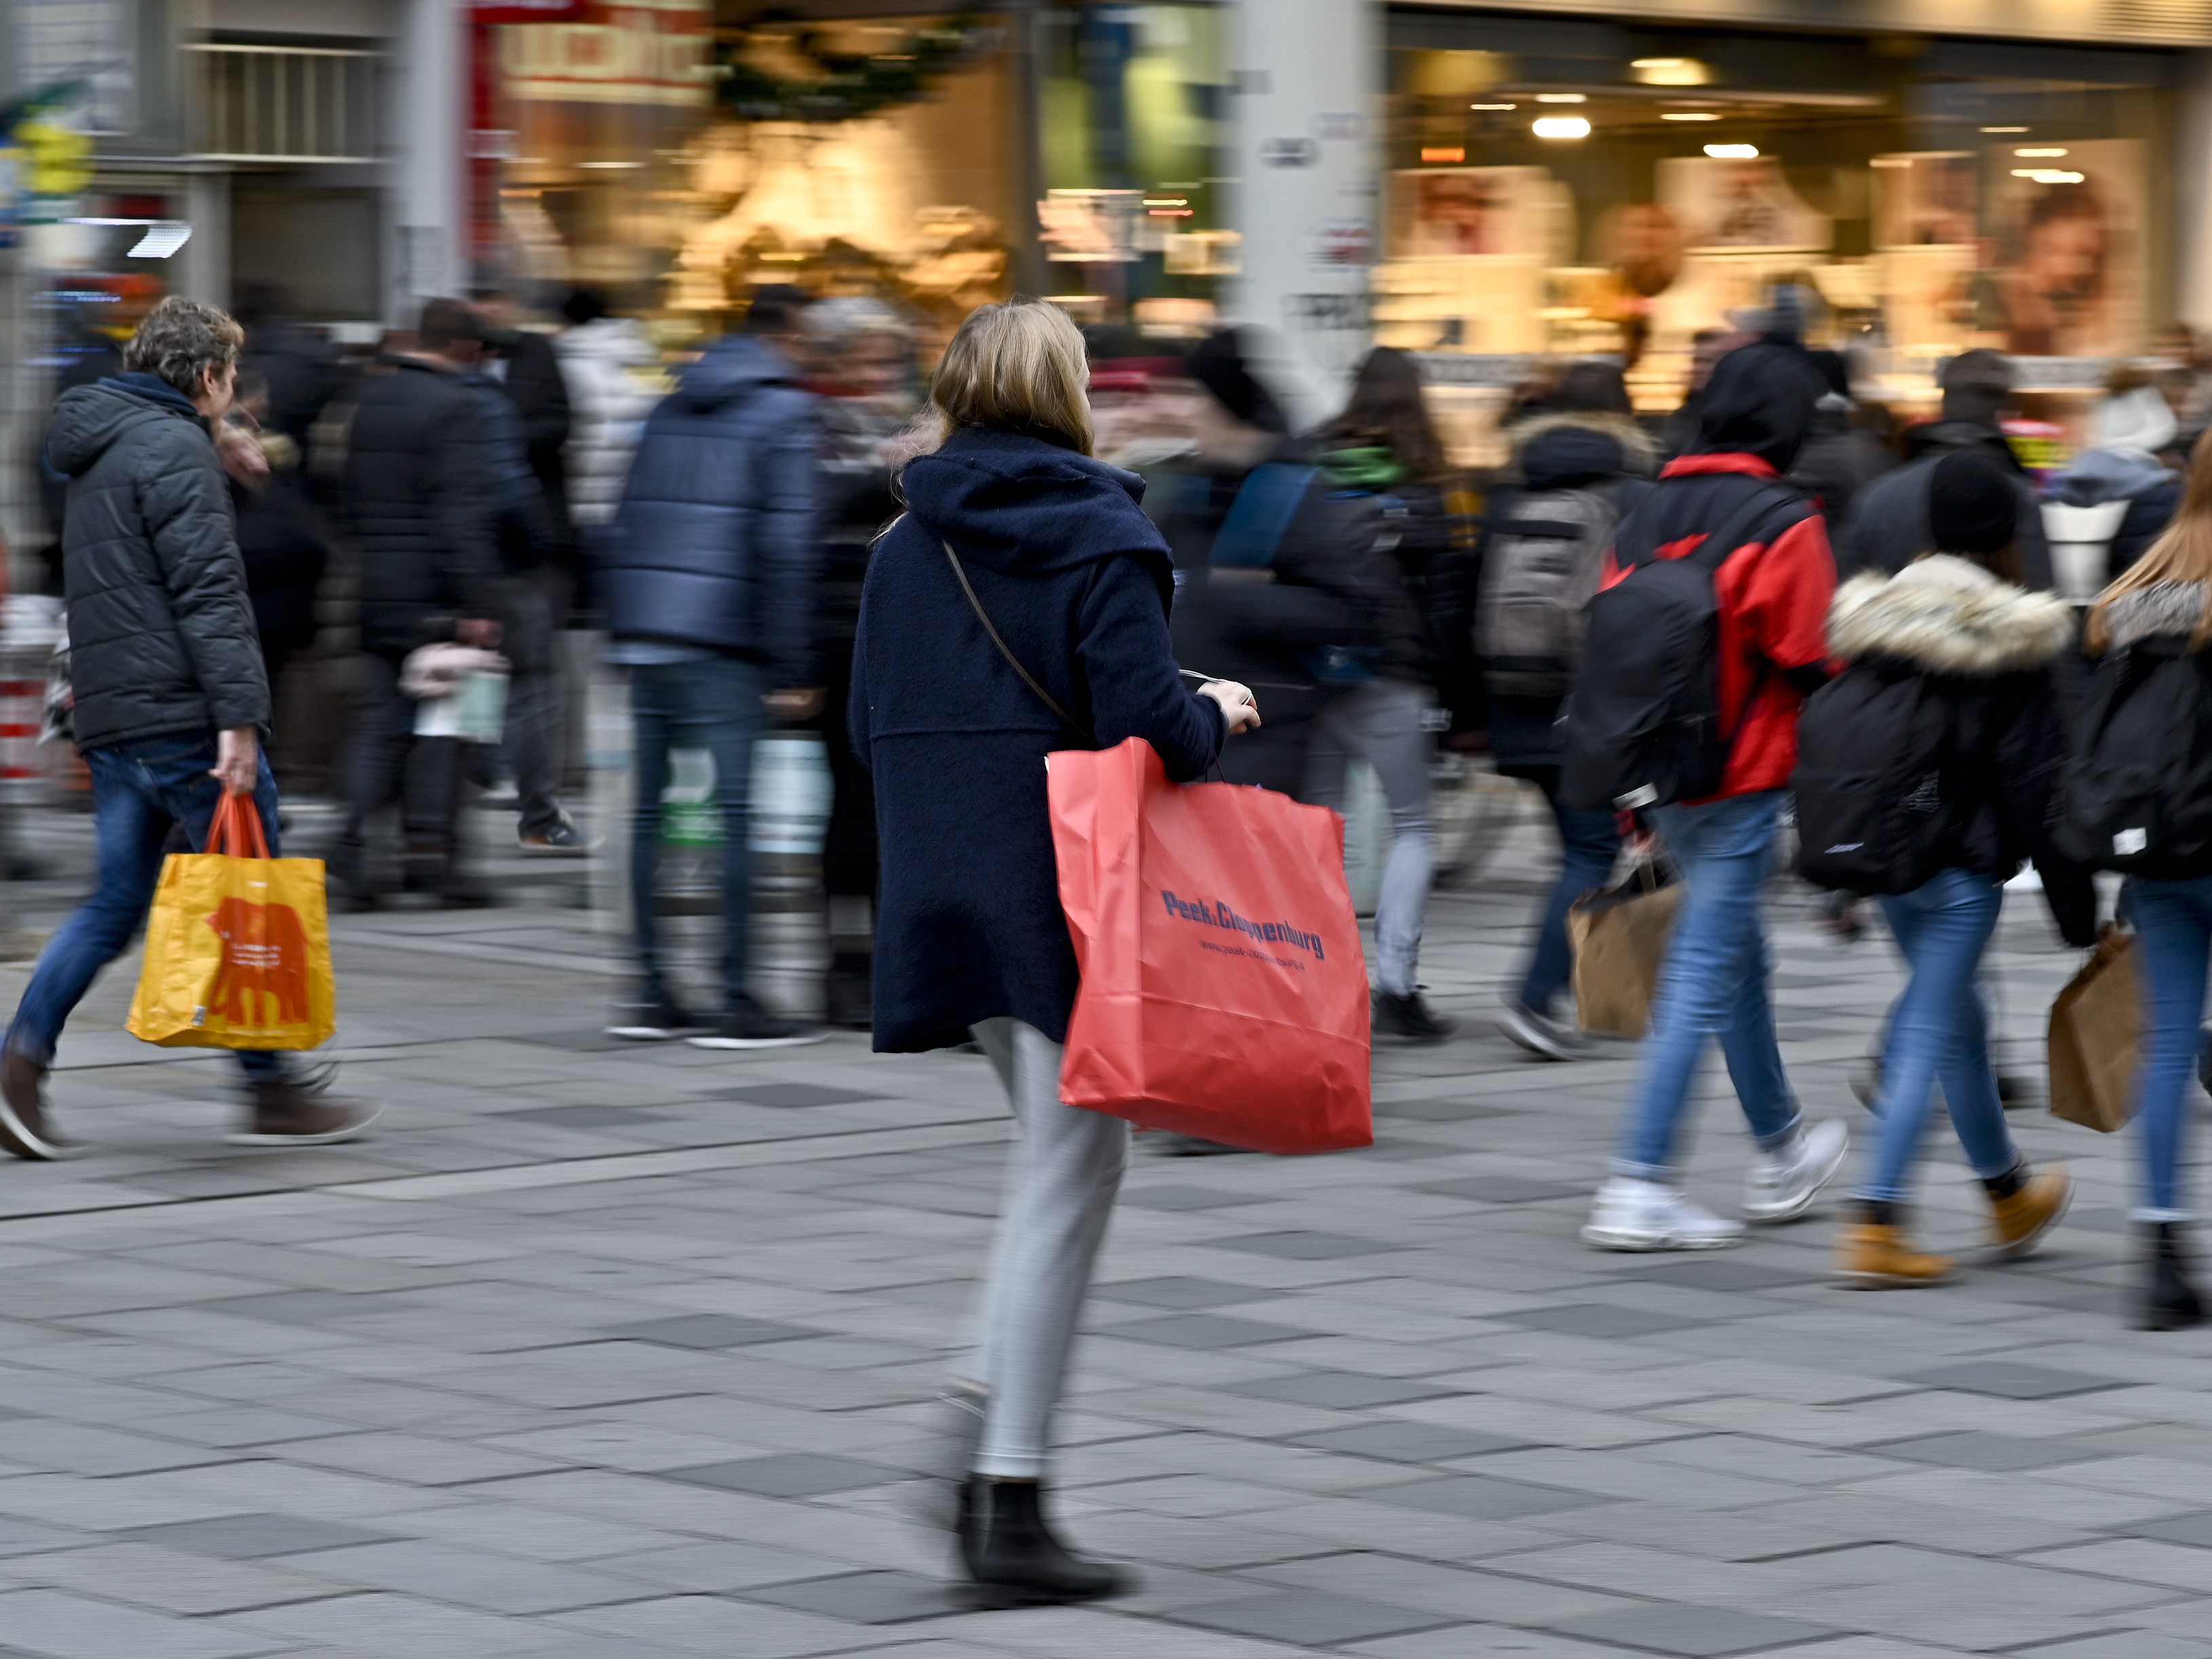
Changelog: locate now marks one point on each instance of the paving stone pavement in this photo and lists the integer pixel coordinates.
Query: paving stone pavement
(606, 1350)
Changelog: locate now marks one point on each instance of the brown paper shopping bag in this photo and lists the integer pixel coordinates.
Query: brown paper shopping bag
(2093, 1038)
(1619, 935)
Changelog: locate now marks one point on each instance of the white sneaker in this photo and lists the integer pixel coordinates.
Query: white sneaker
(1784, 1183)
(1540, 1034)
(1647, 1215)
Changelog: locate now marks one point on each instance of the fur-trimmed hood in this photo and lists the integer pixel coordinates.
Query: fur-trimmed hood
(1949, 617)
(2163, 608)
(1562, 452)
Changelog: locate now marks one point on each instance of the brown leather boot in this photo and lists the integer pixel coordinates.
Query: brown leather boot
(2019, 1219)
(287, 1112)
(25, 1128)
(1872, 1257)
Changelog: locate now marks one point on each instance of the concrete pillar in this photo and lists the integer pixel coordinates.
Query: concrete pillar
(426, 203)
(1307, 116)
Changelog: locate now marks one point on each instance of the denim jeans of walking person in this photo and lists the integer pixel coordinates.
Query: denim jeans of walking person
(710, 703)
(1589, 844)
(1714, 985)
(1380, 722)
(1938, 1035)
(2173, 924)
(140, 790)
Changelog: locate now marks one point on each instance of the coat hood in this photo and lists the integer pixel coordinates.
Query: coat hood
(2171, 609)
(1941, 437)
(1027, 507)
(2098, 476)
(736, 366)
(88, 419)
(1949, 617)
(1759, 401)
(1564, 452)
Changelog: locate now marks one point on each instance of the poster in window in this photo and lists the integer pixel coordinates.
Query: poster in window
(1448, 212)
(2065, 277)
(1731, 204)
(1927, 199)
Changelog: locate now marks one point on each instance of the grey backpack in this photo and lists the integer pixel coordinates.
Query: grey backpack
(1539, 571)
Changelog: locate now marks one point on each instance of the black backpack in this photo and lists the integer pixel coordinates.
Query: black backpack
(1642, 726)
(1879, 784)
(2138, 782)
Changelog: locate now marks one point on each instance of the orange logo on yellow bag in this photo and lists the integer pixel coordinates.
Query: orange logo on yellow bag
(264, 954)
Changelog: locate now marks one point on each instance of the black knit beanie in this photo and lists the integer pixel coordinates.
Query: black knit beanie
(1218, 364)
(1972, 506)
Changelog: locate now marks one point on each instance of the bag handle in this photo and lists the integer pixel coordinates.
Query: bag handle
(960, 572)
(235, 830)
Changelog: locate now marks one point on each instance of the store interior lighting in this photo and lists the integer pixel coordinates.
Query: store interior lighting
(1689, 115)
(1561, 126)
(2048, 175)
(1494, 106)
(2004, 129)
(1562, 98)
(2039, 154)
(1669, 71)
(1733, 152)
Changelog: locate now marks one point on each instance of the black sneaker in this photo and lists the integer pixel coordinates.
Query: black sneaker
(1410, 1017)
(655, 1019)
(559, 841)
(749, 1025)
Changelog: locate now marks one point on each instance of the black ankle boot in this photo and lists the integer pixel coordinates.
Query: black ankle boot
(2172, 1302)
(1012, 1556)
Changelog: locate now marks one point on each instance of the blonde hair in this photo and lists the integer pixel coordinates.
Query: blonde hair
(1014, 367)
(2183, 553)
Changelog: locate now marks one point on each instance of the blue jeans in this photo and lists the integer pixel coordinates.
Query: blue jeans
(1713, 985)
(139, 791)
(2173, 920)
(1590, 842)
(713, 704)
(1938, 1033)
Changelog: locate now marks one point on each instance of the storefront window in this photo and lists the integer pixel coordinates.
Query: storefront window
(1564, 188)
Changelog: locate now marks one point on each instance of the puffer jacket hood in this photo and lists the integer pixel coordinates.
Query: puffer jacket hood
(88, 419)
(1948, 615)
(1567, 450)
(2161, 609)
(734, 369)
(2098, 476)
(1759, 401)
(1028, 508)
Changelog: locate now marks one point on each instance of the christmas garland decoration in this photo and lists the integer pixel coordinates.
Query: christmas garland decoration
(850, 84)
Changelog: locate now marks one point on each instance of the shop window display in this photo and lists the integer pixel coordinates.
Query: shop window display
(1562, 188)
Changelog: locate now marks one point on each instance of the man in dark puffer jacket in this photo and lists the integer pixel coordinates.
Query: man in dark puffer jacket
(419, 493)
(172, 699)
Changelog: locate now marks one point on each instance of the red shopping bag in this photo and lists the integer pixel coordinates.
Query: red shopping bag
(1224, 992)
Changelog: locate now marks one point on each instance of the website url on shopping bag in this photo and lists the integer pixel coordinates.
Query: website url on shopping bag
(1257, 956)
(1217, 914)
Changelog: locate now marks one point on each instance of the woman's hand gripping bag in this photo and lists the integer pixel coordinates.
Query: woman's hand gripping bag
(237, 946)
(1223, 989)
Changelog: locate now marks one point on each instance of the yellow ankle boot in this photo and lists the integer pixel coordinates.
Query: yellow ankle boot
(1872, 1257)
(2018, 1223)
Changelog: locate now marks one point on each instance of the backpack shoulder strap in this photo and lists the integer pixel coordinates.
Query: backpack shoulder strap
(1260, 515)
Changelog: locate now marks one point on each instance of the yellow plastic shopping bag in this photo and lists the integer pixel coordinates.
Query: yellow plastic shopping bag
(238, 946)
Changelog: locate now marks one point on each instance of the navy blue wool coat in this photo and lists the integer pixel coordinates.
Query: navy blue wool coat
(968, 925)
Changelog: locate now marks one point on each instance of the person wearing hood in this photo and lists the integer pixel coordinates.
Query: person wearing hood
(172, 701)
(606, 361)
(1887, 527)
(708, 579)
(1010, 519)
(1981, 649)
(2129, 436)
(1771, 593)
(1582, 465)
(2159, 610)
(1838, 459)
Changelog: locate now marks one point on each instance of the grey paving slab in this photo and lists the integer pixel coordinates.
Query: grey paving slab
(795, 1474)
(1409, 1442)
(1695, 1633)
(1180, 1292)
(2012, 1379)
(66, 1626)
(1483, 1499)
(1309, 1618)
(1970, 1449)
(1205, 1330)
(708, 1331)
(1302, 1246)
(1341, 1390)
(869, 1598)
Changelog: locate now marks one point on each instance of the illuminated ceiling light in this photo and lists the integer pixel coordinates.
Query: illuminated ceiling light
(1561, 126)
(1494, 106)
(2048, 175)
(1733, 152)
(1561, 98)
(611, 166)
(1688, 115)
(1669, 71)
(2050, 155)
(2004, 129)
(1443, 153)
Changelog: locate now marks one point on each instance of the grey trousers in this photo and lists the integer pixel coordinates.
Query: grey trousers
(1061, 1176)
(1380, 722)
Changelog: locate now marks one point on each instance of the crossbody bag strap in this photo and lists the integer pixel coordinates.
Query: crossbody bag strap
(960, 575)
